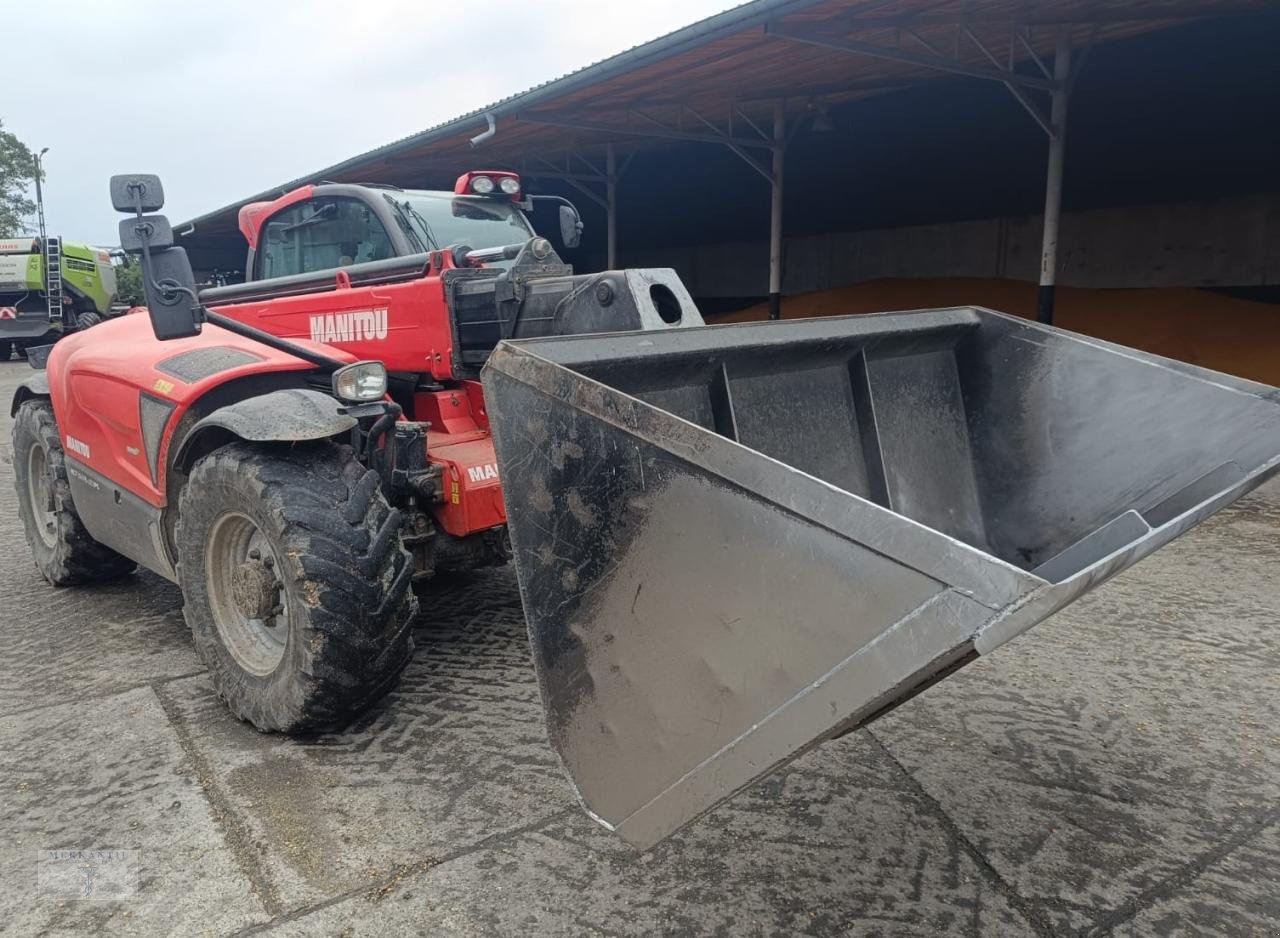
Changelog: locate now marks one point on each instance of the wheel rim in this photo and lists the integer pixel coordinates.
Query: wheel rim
(40, 495)
(246, 597)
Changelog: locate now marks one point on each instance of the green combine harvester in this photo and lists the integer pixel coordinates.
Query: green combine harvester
(48, 288)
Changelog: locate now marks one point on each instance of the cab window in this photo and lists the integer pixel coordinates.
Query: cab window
(319, 235)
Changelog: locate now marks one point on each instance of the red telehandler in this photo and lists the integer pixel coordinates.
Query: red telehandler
(731, 542)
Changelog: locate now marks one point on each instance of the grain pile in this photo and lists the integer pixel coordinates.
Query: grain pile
(1237, 336)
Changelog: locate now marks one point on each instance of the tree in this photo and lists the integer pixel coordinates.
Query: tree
(17, 172)
(129, 283)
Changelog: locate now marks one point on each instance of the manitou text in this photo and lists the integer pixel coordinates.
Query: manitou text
(360, 325)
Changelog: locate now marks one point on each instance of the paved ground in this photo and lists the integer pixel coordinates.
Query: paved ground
(1115, 771)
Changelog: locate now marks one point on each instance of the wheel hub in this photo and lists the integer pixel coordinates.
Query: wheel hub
(255, 590)
(246, 597)
(40, 496)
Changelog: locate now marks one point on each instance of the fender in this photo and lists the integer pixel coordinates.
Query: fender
(128, 524)
(37, 385)
(290, 415)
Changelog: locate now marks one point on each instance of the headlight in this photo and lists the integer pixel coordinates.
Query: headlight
(481, 185)
(509, 184)
(360, 382)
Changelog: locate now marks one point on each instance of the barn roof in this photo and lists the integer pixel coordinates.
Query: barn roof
(717, 81)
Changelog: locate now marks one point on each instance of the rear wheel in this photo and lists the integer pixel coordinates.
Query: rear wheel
(87, 319)
(296, 586)
(63, 549)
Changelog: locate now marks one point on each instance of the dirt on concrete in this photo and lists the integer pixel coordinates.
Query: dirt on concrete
(1114, 771)
(1240, 337)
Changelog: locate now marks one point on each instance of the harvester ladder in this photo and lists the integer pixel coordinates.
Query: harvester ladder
(52, 248)
(53, 277)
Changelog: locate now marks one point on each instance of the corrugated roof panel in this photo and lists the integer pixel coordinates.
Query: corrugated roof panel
(730, 59)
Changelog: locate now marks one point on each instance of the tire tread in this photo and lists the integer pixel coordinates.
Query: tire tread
(347, 567)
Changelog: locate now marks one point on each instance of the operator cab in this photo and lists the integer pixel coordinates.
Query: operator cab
(336, 225)
(442, 219)
(432, 281)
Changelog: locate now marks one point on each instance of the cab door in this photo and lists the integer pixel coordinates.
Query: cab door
(338, 227)
(325, 232)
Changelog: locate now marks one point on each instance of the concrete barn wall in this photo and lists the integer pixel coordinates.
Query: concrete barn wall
(1225, 242)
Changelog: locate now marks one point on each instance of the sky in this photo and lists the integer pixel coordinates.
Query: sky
(225, 99)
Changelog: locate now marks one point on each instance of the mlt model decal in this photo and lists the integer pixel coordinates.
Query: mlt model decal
(359, 325)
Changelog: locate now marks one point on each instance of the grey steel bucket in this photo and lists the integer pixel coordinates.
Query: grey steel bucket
(734, 542)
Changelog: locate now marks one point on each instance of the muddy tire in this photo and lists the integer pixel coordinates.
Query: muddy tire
(295, 583)
(87, 320)
(63, 549)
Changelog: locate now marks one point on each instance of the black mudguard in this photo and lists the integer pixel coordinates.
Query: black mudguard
(290, 415)
(37, 385)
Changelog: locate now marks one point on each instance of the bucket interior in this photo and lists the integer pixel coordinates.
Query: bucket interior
(1038, 447)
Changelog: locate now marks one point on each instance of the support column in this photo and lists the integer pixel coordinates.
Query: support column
(611, 206)
(775, 212)
(1053, 181)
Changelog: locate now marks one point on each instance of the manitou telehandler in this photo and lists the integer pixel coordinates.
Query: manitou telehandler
(731, 542)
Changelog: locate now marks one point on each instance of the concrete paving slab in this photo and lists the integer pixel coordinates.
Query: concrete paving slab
(1114, 771)
(1126, 738)
(456, 754)
(112, 776)
(1235, 896)
(837, 845)
(77, 642)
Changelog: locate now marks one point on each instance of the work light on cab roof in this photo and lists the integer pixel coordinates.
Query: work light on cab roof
(489, 182)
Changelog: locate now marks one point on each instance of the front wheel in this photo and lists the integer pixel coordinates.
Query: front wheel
(295, 584)
(6, 350)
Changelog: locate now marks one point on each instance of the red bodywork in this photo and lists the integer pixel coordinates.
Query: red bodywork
(406, 327)
(403, 325)
(94, 381)
(459, 443)
(251, 215)
(462, 185)
(95, 385)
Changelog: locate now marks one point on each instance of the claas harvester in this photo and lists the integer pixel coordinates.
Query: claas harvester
(732, 542)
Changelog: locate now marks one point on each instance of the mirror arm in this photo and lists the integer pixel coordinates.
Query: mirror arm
(169, 288)
(275, 342)
(553, 198)
(145, 255)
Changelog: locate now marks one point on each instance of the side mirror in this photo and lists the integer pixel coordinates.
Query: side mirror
(137, 192)
(170, 290)
(167, 281)
(158, 232)
(570, 226)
